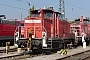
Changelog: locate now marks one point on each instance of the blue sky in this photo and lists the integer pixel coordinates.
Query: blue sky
(73, 8)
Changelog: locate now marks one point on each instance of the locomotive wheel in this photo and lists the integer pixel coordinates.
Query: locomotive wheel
(38, 50)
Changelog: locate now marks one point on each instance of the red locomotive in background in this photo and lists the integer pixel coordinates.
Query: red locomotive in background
(7, 29)
(81, 26)
(47, 29)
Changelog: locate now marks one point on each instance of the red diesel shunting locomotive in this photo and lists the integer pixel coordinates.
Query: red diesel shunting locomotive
(81, 27)
(48, 31)
(7, 29)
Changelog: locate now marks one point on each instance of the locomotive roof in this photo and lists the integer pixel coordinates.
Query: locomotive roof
(46, 10)
(2, 15)
(83, 19)
(9, 19)
(43, 10)
(58, 12)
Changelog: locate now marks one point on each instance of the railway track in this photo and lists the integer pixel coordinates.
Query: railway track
(13, 54)
(23, 55)
(79, 56)
(28, 54)
(12, 49)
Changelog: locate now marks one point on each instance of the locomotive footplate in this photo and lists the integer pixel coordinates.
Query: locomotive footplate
(58, 43)
(54, 43)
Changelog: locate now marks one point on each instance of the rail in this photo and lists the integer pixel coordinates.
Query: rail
(12, 49)
(78, 56)
(20, 56)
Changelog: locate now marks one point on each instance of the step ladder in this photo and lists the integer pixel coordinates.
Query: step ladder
(49, 44)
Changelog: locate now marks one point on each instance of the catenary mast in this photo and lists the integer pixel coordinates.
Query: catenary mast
(62, 9)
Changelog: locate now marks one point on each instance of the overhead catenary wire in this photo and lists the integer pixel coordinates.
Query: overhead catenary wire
(70, 5)
(29, 3)
(52, 0)
(72, 14)
(13, 7)
(38, 5)
(22, 8)
(77, 7)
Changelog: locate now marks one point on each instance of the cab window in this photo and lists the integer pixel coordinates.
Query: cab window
(8, 21)
(18, 23)
(22, 24)
(77, 21)
(86, 21)
(48, 14)
(36, 14)
(59, 16)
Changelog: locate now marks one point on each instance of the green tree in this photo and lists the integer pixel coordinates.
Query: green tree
(71, 22)
(87, 18)
(31, 9)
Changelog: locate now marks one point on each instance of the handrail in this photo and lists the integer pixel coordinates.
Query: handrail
(17, 29)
